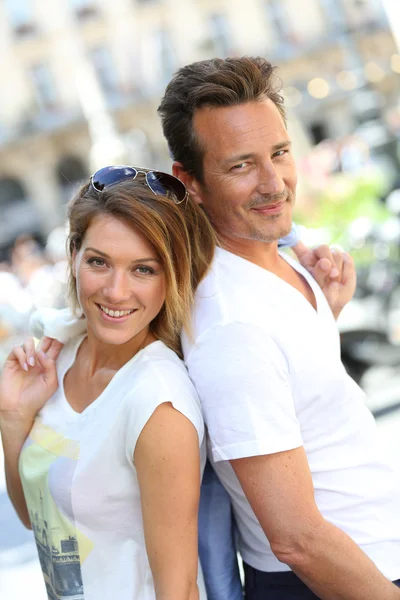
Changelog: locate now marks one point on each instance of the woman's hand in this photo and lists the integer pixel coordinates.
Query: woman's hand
(28, 380)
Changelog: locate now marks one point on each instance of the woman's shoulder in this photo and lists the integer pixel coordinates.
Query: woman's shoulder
(158, 377)
(162, 370)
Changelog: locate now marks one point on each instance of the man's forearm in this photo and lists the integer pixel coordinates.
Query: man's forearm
(335, 568)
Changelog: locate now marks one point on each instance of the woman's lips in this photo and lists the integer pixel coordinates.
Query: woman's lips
(114, 319)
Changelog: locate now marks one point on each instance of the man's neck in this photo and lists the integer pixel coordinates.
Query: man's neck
(266, 256)
(262, 254)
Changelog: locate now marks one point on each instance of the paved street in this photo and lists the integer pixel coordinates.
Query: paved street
(20, 576)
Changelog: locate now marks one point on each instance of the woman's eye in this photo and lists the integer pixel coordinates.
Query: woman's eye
(97, 262)
(144, 270)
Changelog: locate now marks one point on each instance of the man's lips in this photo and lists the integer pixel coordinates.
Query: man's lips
(270, 208)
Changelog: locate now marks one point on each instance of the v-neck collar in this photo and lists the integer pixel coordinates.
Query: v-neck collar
(97, 401)
(315, 288)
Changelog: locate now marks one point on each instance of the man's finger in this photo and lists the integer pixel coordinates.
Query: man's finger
(338, 261)
(348, 270)
(300, 250)
(321, 272)
(323, 251)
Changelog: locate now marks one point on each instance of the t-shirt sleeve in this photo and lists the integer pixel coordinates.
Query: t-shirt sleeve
(160, 384)
(243, 380)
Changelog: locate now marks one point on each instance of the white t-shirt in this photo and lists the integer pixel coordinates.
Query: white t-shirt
(80, 481)
(268, 372)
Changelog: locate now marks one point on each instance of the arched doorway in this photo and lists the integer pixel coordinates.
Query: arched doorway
(17, 215)
(71, 171)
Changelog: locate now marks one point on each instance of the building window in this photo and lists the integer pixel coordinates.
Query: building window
(220, 35)
(165, 53)
(360, 12)
(71, 172)
(21, 17)
(85, 9)
(104, 68)
(279, 22)
(334, 14)
(45, 91)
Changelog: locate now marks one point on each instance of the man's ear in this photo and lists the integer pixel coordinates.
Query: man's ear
(192, 185)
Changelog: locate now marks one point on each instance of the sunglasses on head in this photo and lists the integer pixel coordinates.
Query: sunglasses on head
(161, 184)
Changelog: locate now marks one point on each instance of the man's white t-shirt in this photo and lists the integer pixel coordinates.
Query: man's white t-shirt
(80, 481)
(268, 371)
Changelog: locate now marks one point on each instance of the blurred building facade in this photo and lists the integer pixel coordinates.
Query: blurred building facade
(81, 81)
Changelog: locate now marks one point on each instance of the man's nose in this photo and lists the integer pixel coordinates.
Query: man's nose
(117, 288)
(270, 182)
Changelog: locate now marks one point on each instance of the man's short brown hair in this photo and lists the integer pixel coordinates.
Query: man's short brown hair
(216, 82)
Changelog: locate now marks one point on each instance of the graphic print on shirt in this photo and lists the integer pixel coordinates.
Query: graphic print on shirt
(61, 547)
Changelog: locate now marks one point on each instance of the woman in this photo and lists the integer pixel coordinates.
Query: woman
(103, 439)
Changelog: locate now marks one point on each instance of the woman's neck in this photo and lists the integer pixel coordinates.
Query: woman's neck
(98, 355)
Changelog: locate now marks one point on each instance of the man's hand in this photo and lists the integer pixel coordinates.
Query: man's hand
(333, 270)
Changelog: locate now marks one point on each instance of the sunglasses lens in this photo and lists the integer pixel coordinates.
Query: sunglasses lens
(162, 183)
(112, 175)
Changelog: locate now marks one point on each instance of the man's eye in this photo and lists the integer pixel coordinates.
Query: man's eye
(240, 166)
(97, 262)
(281, 152)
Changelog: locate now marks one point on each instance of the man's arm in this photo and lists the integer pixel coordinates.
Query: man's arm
(280, 491)
(334, 272)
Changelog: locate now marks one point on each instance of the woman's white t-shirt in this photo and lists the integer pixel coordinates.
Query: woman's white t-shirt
(80, 482)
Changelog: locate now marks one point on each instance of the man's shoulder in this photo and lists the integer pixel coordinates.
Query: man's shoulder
(222, 294)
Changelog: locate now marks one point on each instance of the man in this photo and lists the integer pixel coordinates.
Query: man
(290, 436)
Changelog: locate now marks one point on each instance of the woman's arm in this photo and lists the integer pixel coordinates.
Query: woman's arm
(13, 438)
(167, 461)
(28, 380)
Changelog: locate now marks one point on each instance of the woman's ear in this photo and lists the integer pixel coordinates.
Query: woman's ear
(192, 185)
(73, 262)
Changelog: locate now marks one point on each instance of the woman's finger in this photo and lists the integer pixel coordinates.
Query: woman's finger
(44, 343)
(45, 361)
(18, 353)
(54, 349)
(29, 347)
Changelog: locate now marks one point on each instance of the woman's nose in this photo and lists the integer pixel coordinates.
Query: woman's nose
(117, 287)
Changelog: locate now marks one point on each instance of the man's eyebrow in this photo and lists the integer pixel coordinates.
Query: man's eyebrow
(281, 145)
(137, 260)
(243, 157)
(239, 158)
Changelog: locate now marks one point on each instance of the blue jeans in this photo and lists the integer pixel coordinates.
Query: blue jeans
(260, 585)
(216, 540)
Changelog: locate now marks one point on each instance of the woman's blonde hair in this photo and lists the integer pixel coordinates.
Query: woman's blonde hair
(180, 234)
